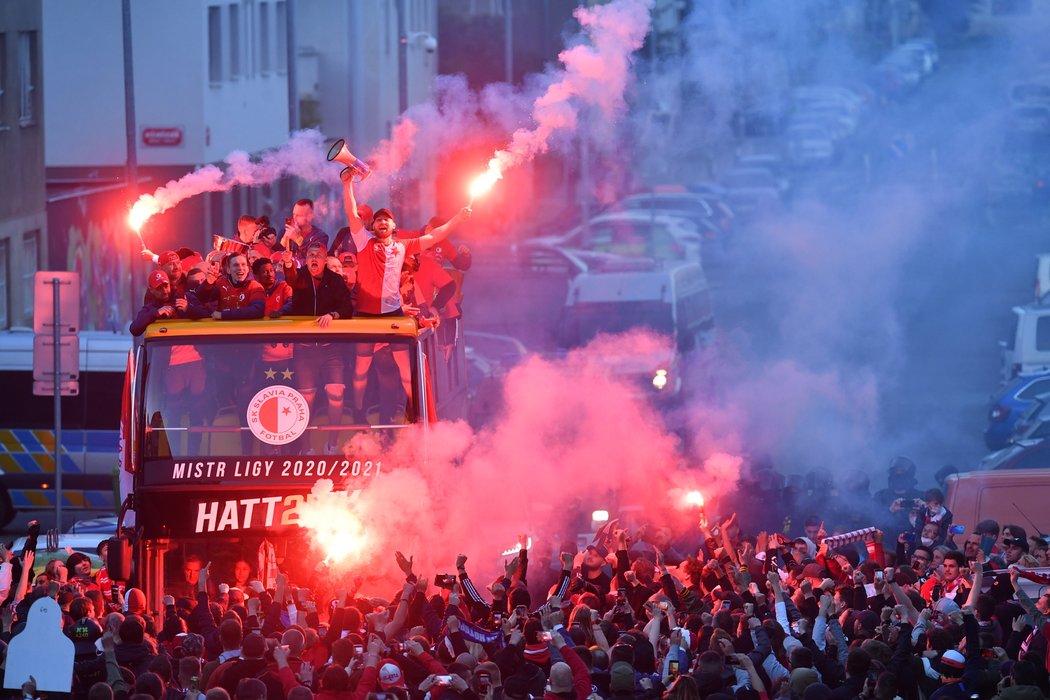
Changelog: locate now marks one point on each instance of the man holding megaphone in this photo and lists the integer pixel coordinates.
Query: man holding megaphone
(380, 258)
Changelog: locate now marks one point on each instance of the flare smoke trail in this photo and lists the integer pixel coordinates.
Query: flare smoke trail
(303, 156)
(595, 75)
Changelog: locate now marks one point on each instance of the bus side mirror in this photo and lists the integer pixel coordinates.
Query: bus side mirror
(118, 559)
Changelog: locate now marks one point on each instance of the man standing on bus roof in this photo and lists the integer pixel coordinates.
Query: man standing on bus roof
(380, 259)
(160, 303)
(323, 294)
(239, 296)
(278, 293)
(300, 232)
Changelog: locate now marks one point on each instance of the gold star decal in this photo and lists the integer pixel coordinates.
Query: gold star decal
(287, 374)
(271, 373)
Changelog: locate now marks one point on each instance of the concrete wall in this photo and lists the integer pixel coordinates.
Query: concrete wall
(83, 67)
(354, 44)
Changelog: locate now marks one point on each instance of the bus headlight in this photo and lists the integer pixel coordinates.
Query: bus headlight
(660, 378)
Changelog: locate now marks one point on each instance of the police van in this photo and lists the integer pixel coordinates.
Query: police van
(673, 302)
(1027, 349)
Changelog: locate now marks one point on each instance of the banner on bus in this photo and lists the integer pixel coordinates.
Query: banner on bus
(259, 471)
(227, 513)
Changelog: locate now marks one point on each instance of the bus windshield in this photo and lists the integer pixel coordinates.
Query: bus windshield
(266, 396)
(585, 321)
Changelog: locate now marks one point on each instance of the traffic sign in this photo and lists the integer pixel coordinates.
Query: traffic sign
(68, 302)
(46, 388)
(44, 357)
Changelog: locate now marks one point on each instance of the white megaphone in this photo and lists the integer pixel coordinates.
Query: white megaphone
(341, 154)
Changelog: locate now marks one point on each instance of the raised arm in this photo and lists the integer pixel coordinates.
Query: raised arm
(1025, 601)
(901, 597)
(441, 232)
(357, 227)
(978, 580)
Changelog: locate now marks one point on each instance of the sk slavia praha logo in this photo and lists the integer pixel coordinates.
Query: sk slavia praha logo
(278, 414)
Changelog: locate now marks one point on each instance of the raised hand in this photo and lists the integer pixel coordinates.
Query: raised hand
(453, 597)
(404, 564)
(375, 644)
(461, 562)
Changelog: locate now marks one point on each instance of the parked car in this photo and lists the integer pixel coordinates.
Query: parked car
(1029, 454)
(1009, 404)
(634, 234)
(752, 190)
(709, 222)
(810, 145)
(1034, 423)
(767, 161)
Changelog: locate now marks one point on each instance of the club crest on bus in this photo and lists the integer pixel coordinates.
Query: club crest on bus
(278, 414)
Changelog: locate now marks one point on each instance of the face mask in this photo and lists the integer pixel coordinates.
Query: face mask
(927, 541)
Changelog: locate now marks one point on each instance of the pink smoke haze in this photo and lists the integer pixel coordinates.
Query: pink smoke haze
(570, 431)
(595, 75)
(303, 157)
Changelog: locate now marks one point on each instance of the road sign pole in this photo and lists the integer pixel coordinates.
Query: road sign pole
(55, 333)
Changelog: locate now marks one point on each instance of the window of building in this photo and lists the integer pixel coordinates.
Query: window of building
(264, 37)
(30, 264)
(3, 67)
(235, 41)
(5, 267)
(215, 45)
(27, 75)
(281, 11)
(251, 39)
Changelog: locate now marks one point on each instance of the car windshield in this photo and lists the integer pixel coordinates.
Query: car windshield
(264, 396)
(585, 321)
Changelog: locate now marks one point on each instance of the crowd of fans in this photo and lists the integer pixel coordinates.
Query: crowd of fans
(750, 615)
(371, 268)
(737, 609)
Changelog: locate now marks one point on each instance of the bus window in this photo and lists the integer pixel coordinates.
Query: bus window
(199, 397)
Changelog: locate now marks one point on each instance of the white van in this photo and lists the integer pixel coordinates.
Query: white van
(674, 302)
(1027, 351)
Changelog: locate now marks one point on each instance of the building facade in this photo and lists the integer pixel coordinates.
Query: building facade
(210, 77)
(23, 211)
